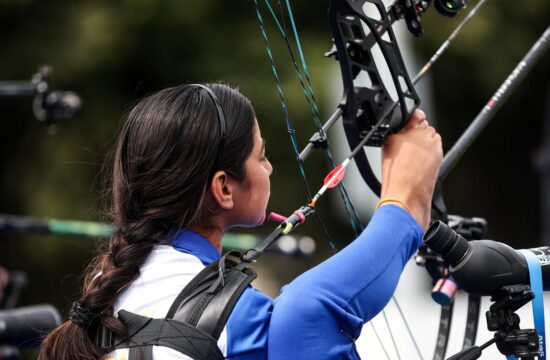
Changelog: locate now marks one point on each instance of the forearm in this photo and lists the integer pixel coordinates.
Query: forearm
(324, 309)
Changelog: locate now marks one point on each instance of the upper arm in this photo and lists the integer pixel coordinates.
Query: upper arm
(247, 326)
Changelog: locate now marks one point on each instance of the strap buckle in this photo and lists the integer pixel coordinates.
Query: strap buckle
(104, 338)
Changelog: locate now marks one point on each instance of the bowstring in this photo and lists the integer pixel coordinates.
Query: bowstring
(309, 95)
(400, 310)
(353, 215)
(290, 127)
(391, 333)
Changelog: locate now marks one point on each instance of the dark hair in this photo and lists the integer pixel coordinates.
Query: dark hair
(164, 156)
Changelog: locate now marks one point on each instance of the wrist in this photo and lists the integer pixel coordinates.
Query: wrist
(394, 201)
(419, 210)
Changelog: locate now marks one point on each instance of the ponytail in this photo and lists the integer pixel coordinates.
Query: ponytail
(117, 269)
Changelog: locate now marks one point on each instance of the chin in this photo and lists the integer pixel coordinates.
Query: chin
(250, 224)
(258, 221)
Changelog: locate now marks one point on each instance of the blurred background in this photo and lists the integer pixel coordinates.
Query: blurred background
(114, 52)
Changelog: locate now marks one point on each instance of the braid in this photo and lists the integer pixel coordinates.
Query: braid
(117, 268)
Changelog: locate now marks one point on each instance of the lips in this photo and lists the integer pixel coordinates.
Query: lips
(262, 220)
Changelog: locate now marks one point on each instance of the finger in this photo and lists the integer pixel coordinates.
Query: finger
(431, 131)
(422, 124)
(416, 117)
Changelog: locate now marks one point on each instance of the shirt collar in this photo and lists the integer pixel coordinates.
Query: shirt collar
(189, 242)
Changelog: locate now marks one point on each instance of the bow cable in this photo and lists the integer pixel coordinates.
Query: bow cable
(309, 95)
(290, 128)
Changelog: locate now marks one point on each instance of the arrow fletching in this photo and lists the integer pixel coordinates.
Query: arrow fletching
(335, 176)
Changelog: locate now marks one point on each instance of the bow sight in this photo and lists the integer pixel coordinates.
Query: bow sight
(449, 7)
(412, 10)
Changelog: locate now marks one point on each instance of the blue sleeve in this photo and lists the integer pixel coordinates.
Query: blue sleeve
(321, 313)
(247, 326)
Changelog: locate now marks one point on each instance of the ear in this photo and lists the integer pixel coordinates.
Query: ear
(222, 190)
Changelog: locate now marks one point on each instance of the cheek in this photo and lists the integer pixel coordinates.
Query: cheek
(262, 188)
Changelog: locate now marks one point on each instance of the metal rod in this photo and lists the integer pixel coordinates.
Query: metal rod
(17, 88)
(496, 101)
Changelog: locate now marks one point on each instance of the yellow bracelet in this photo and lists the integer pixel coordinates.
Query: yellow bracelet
(394, 200)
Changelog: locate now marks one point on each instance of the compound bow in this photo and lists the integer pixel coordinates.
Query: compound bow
(371, 110)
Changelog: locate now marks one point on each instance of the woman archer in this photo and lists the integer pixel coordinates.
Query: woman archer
(189, 165)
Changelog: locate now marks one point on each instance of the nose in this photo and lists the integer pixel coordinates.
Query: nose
(269, 168)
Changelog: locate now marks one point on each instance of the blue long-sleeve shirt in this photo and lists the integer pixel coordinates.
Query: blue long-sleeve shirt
(316, 316)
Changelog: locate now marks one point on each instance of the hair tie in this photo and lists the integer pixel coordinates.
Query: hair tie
(82, 316)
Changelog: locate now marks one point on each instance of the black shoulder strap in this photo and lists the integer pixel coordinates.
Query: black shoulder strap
(196, 318)
(184, 338)
(208, 300)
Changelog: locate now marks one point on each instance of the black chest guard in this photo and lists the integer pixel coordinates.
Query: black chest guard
(195, 320)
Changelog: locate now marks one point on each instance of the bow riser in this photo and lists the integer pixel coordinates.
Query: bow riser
(363, 104)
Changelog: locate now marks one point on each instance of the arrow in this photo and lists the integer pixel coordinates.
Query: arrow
(333, 178)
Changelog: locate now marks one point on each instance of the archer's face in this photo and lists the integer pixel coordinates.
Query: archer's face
(253, 192)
